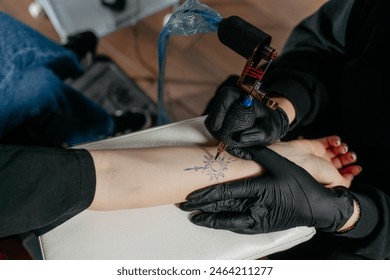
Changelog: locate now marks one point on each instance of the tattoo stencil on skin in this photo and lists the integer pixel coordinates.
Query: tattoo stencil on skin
(214, 168)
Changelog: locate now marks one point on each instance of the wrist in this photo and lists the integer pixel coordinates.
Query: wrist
(350, 224)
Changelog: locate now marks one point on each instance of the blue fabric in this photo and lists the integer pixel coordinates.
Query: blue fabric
(32, 90)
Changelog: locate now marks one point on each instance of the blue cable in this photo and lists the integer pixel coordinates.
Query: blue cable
(212, 19)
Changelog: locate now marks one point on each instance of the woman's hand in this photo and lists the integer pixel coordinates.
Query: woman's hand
(326, 159)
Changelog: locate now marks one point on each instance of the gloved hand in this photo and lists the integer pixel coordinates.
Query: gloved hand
(270, 125)
(286, 196)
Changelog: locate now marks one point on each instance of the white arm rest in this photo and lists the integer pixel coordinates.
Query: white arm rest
(162, 232)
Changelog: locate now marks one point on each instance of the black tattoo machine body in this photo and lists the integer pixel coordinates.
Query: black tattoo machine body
(254, 45)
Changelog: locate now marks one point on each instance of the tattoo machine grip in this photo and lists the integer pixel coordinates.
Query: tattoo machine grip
(238, 118)
(254, 45)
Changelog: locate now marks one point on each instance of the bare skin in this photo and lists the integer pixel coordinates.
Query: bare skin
(134, 178)
(314, 156)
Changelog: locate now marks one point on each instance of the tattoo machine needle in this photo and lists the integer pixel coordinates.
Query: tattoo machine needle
(254, 45)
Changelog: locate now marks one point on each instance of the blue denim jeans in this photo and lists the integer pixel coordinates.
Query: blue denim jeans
(33, 93)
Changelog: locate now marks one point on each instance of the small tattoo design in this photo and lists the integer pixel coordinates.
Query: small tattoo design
(214, 168)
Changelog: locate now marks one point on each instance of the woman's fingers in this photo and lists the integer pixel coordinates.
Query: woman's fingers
(339, 150)
(330, 141)
(345, 176)
(333, 146)
(349, 173)
(352, 170)
(344, 159)
(341, 157)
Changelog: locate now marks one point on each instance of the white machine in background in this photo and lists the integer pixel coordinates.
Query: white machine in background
(72, 16)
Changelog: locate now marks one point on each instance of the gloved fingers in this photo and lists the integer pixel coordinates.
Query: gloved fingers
(258, 135)
(267, 130)
(237, 152)
(261, 110)
(227, 97)
(283, 121)
(227, 221)
(275, 122)
(240, 189)
(271, 161)
(228, 205)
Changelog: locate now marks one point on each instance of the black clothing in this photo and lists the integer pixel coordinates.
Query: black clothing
(40, 188)
(334, 69)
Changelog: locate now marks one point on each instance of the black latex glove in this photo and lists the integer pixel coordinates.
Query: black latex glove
(286, 196)
(270, 125)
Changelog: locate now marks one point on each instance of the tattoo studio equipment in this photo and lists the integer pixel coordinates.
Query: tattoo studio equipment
(245, 39)
(254, 45)
(164, 232)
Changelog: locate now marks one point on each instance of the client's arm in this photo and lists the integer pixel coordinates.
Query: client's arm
(133, 178)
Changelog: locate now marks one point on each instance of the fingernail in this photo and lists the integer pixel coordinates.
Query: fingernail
(353, 156)
(345, 147)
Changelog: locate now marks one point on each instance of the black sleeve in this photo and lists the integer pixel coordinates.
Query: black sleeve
(308, 69)
(370, 238)
(40, 188)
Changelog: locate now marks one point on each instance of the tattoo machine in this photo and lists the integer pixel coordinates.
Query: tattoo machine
(254, 45)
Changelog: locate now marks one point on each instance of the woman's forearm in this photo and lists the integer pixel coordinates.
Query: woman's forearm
(143, 177)
(134, 178)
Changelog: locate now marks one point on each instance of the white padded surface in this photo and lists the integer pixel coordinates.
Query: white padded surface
(162, 232)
